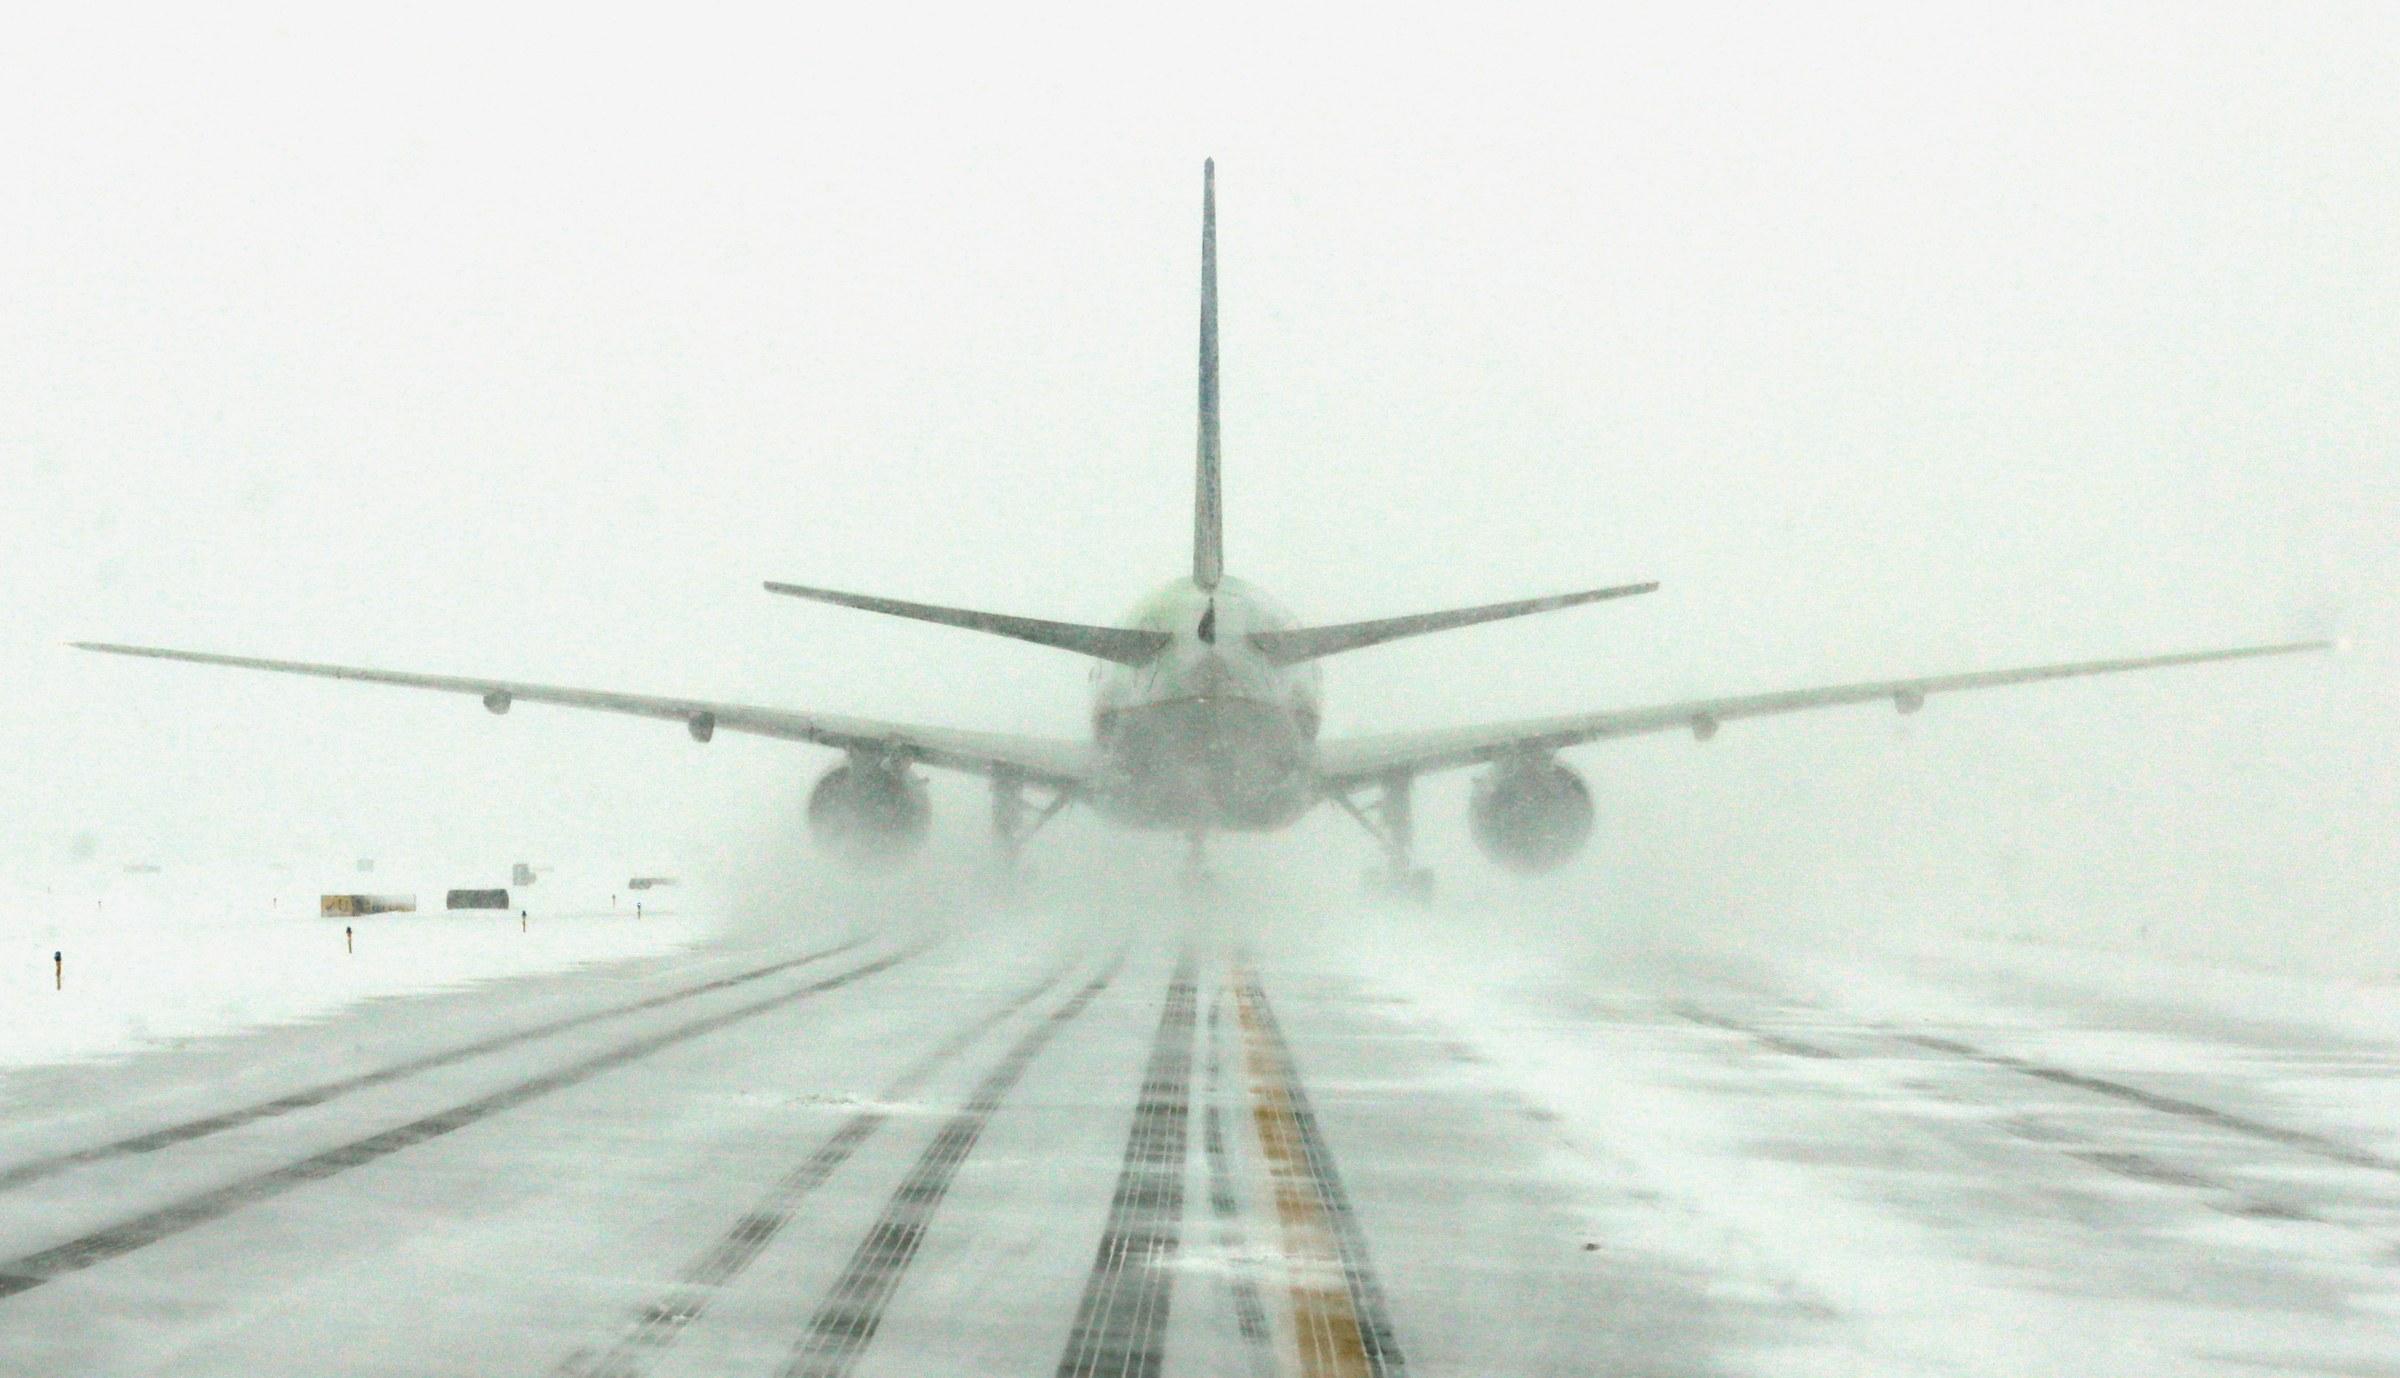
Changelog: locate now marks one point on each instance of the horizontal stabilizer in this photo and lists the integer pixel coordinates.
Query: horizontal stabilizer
(1123, 645)
(1309, 643)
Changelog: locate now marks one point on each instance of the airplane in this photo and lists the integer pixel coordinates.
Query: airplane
(1206, 701)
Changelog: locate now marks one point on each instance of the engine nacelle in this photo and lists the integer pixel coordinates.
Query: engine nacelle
(1531, 815)
(869, 812)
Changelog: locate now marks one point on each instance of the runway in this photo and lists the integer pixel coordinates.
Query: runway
(1202, 1145)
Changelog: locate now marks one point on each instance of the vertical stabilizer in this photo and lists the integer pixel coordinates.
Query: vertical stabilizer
(1208, 522)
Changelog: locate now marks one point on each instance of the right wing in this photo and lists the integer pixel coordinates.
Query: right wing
(1346, 764)
(1046, 760)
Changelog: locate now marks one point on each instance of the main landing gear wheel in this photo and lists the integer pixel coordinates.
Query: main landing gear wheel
(1391, 820)
(1014, 822)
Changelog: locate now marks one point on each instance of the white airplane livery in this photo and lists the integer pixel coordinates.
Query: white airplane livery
(1205, 707)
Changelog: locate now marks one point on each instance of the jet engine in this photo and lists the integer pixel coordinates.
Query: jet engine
(1530, 815)
(869, 812)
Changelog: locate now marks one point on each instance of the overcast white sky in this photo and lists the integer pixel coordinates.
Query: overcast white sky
(1892, 339)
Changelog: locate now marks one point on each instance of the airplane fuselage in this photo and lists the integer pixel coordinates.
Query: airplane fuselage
(1205, 706)
(1209, 735)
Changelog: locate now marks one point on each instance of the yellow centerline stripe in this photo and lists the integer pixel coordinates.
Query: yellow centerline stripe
(1331, 1342)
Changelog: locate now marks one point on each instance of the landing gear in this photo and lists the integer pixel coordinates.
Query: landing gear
(1014, 821)
(1196, 875)
(1391, 820)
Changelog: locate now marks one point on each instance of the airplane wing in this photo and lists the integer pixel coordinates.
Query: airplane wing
(1348, 763)
(1045, 760)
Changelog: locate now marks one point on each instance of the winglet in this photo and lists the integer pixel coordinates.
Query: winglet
(1208, 522)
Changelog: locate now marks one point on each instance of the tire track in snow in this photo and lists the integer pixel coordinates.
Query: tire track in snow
(89, 1250)
(1120, 1325)
(170, 1136)
(846, 1321)
(657, 1326)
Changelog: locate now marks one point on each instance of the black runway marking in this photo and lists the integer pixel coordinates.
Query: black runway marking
(846, 1322)
(32, 1270)
(2232, 1199)
(1382, 1350)
(1249, 1311)
(151, 1141)
(2313, 1144)
(658, 1325)
(2316, 1145)
(1121, 1324)
(1792, 1046)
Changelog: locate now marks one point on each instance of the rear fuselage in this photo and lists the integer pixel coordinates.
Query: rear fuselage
(1210, 735)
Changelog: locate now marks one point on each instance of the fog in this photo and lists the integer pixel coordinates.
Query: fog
(1891, 340)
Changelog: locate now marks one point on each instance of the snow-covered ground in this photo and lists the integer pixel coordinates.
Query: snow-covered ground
(1519, 1131)
(187, 951)
(1954, 1157)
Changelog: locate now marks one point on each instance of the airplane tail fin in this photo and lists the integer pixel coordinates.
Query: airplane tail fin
(1208, 520)
(1124, 646)
(1311, 643)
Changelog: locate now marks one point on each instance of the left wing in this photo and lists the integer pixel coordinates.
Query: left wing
(1345, 764)
(1045, 760)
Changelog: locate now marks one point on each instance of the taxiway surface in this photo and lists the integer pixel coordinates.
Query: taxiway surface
(1182, 1147)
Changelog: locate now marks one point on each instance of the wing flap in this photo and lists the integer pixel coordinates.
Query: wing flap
(1348, 762)
(1048, 760)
